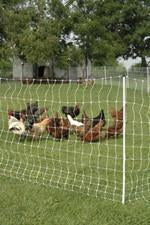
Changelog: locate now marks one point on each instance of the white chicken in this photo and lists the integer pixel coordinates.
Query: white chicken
(74, 122)
(16, 126)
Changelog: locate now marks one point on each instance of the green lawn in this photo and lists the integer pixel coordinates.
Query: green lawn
(24, 203)
(52, 175)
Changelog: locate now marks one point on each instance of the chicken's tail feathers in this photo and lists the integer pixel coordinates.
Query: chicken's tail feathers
(77, 106)
(103, 117)
(102, 114)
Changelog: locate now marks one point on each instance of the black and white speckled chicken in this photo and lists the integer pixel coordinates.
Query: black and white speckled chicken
(32, 107)
(38, 116)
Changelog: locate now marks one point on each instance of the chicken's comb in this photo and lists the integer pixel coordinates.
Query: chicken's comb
(10, 112)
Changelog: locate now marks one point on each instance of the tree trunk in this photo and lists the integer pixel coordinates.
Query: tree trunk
(52, 67)
(86, 66)
(143, 62)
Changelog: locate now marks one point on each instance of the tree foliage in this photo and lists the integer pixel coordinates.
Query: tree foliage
(132, 24)
(40, 31)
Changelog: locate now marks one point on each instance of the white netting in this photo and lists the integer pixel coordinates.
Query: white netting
(94, 168)
(137, 141)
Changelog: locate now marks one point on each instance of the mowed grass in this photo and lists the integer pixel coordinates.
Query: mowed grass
(29, 204)
(94, 169)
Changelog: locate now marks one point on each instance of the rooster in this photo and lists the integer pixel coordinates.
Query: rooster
(116, 128)
(97, 119)
(70, 110)
(39, 128)
(95, 133)
(90, 123)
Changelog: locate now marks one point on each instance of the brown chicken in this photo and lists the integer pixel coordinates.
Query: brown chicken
(58, 127)
(116, 128)
(80, 131)
(95, 120)
(95, 133)
(90, 123)
(39, 128)
(85, 117)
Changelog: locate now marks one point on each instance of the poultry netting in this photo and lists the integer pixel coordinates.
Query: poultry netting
(69, 135)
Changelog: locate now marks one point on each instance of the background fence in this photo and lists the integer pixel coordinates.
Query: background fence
(83, 72)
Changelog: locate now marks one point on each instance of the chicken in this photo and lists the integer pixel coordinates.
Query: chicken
(16, 126)
(29, 121)
(30, 110)
(117, 114)
(85, 117)
(58, 128)
(96, 119)
(32, 107)
(95, 133)
(74, 122)
(70, 110)
(17, 114)
(81, 130)
(90, 123)
(39, 128)
(41, 113)
(37, 117)
(116, 128)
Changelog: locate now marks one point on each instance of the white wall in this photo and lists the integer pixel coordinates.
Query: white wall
(22, 70)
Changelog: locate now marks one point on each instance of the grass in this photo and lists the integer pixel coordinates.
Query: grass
(28, 204)
(94, 169)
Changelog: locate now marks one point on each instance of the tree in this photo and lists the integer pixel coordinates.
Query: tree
(6, 9)
(2, 38)
(132, 24)
(91, 21)
(108, 45)
(79, 30)
(42, 36)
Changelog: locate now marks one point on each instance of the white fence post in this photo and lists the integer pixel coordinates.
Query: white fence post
(105, 74)
(148, 80)
(124, 141)
(127, 78)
